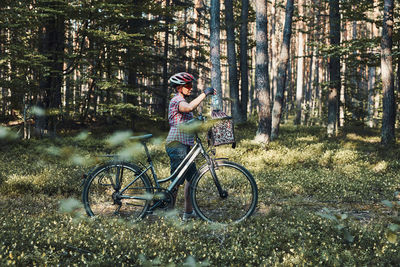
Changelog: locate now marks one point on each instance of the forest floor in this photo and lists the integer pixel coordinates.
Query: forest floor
(321, 202)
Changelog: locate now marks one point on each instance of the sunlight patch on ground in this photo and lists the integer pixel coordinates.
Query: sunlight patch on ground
(380, 167)
(369, 139)
(345, 156)
(306, 139)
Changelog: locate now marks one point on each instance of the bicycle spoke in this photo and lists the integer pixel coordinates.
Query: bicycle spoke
(104, 200)
(130, 204)
(237, 204)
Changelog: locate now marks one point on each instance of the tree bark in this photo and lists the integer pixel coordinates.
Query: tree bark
(232, 64)
(165, 94)
(282, 71)
(274, 48)
(262, 77)
(372, 74)
(2, 76)
(389, 111)
(334, 68)
(300, 67)
(244, 68)
(371, 94)
(215, 53)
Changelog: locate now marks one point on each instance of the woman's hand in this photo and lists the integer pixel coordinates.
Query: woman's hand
(209, 91)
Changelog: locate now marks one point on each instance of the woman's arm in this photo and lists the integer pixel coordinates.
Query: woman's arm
(186, 107)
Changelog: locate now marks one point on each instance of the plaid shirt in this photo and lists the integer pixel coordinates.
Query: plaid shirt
(175, 117)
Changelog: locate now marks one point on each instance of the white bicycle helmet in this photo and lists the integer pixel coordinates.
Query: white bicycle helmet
(181, 78)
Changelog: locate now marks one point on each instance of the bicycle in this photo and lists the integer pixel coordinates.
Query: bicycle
(221, 191)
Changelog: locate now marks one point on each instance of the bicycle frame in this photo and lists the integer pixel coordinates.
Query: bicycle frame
(178, 174)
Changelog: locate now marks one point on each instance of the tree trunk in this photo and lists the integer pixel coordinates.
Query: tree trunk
(315, 81)
(282, 71)
(262, 77)
(3, 75)
(52, 47)
(134, 26)
(180, 66)
(233, 75)
(371, 94)
(389, 111)
(198, 6)
(334, 68)
(274, 48)
(198, 40)
(371, 120)
(398, 68)
(165, 94)
(215, 54)
(309, 93)
(300, 67)
(353, 78)
(288, 104)
(244, 68)
(4, 101)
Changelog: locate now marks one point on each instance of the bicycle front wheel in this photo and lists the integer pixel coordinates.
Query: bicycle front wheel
(234, 201)
(116, 190)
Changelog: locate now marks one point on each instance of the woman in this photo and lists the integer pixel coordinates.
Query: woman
(179, 142)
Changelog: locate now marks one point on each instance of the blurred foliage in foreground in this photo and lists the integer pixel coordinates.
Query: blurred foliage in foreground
(321, 202)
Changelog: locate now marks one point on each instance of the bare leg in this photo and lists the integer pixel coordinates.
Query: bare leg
(188, 203)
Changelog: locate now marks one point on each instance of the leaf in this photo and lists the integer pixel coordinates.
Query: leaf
(387, 203)
(82, 136)
(78, 160)
(38, 111)
(392, 237)
(327, 216)
(119, 137)
(193, 127)
(69, 205)
(348, 236)
(394, 227)
(190, 261)
(148, 196)
(130, 152)
(340, 226)
(5, 133)
(53, 150)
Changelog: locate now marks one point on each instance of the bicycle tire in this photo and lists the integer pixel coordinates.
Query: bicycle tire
(239, 185)
(99, 191)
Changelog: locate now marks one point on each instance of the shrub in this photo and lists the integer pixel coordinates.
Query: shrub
(314, 194)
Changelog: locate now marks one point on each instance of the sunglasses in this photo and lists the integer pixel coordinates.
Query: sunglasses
(188, 85)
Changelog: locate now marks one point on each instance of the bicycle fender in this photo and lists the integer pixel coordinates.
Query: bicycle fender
(205, 165)
(86, 176)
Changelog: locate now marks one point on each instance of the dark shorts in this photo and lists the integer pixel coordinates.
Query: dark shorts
(177, 152)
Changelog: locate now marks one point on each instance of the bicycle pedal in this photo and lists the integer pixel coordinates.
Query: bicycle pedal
(149, 212)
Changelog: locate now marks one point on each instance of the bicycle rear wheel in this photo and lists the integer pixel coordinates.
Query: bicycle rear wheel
(115, 190)
(236, 201)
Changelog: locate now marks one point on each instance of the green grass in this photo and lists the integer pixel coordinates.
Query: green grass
(320, 203)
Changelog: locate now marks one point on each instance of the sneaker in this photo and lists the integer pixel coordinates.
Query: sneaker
(188, 216)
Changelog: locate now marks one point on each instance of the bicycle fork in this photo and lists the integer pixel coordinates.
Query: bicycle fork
(211, 166)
